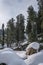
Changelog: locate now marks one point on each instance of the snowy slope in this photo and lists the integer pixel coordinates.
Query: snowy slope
(22, 54)
(35, 59)
(10, 58)
(6, 49)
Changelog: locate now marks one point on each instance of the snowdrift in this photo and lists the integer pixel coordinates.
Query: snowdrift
(35, 59)
(22, 54)
(10, 58)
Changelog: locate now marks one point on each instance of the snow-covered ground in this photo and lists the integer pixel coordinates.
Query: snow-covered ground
(9, 57)
(22, 54)
(35, 59)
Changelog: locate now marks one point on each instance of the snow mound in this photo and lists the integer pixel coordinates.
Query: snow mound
(7, 49)
(10, 58)
(22, 54)
(34, 45)
(35, 59)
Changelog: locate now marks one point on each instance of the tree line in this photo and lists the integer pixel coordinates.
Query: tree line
(15, 32)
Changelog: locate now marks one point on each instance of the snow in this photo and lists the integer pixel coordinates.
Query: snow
(34, 45)
(5, 45)
(35, 59)
(15, 47)
(22, 54)
(7, 49)
(10, 58)
(26, 36)
(24, 43)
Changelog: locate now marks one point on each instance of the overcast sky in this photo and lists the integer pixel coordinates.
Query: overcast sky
(11, 8)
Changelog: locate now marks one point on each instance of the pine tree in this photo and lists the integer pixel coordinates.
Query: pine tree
(10, 32)
(32, 24)
(40, 15)
(20, 27)
(28, 27)
(3, 35)
(40, 18)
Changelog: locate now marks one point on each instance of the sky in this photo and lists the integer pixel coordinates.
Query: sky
(11, 8)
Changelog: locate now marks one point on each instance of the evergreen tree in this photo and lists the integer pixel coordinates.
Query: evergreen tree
(39, 23)
(28, 27)
(10, 32)
(3, 35)
(40, 15)
(32, 24)
(40, 19)
(20, 28)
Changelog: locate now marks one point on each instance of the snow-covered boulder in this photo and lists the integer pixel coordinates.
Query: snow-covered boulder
(10, 58)
(32, 48)
(31, 51)
(33, 45)
(35, 59)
